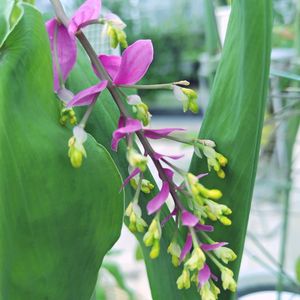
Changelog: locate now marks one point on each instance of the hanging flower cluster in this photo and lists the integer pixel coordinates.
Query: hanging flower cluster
(195, 206)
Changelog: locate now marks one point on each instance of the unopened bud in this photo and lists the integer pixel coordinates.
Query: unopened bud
(221, 174)
(225, 221)
(183, 281)
(154, 253)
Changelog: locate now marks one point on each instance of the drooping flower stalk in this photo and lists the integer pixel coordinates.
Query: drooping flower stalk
(199, 205)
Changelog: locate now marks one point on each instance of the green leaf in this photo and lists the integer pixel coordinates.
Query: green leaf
(235, 114)
(298, 269)
(56, 222)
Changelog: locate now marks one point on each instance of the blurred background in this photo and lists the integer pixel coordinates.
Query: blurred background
(188, 38)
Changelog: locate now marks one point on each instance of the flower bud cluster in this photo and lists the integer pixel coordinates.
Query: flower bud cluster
(215, 160)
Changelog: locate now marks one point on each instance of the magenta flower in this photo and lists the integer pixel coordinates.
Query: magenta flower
(188, 219)
(204, 275)
(158, 201)
(186, 248)
(203, 227)
(63, 42)
(211, 247)
(88, 96)
(159, 156)
(135, 172)
(63, 49)
(168, 217)
(89, 10)
(125, 126)
(131, 67)
(156, 134)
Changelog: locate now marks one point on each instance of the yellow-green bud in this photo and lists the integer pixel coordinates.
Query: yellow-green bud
(142, 113)
(147, 186)
(225, 221)
(225, 254)
(214, 194)
(215, 290)
(222, 159)
(206, 293)
(228, 281)
(111, 32)
(221, 174)
(154, 253)
(174, 250)
(121, 35)
(76, 158)
(183, 280)
(196, 261)
(137, 160)
(148, 239)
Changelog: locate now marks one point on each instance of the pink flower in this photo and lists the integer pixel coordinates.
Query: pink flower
(131, 67)
(158, 156)
(158, 201)
(89, 10)
(63, 42)
(156, 134)
(204, 275)
(125, 126)
(211, 247)
(203, 227)
(186, 248)
(135, 172)
(63, 49)
(188, 219)
(87, 96)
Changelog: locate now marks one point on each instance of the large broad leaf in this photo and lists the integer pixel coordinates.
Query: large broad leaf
(56, 222)
(235, 114)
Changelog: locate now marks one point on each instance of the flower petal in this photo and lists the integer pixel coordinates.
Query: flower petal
(89, 10)
(131, 126)
(63, 49)
(88, 96)
(158, 156)
(186, 248)
(210, 247)
(204, 275)
(160, 133)
(157, 202)
(168, 217)
(111, 63)
(203, 227)
(136, 60)
(135, 172)
(188, 219)
(201, 175)
(169, 173)
(115, 21)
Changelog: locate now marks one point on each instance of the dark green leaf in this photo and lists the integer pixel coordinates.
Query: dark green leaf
(235, 114)
(56, 222)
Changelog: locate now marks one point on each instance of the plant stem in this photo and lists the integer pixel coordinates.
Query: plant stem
(167, 86)
(61, 15)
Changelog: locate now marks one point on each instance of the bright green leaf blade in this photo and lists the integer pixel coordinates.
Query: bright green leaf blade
(235, 114)
(56, 222)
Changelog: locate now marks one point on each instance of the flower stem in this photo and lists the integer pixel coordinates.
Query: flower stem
(61, 15)
(164, 86)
